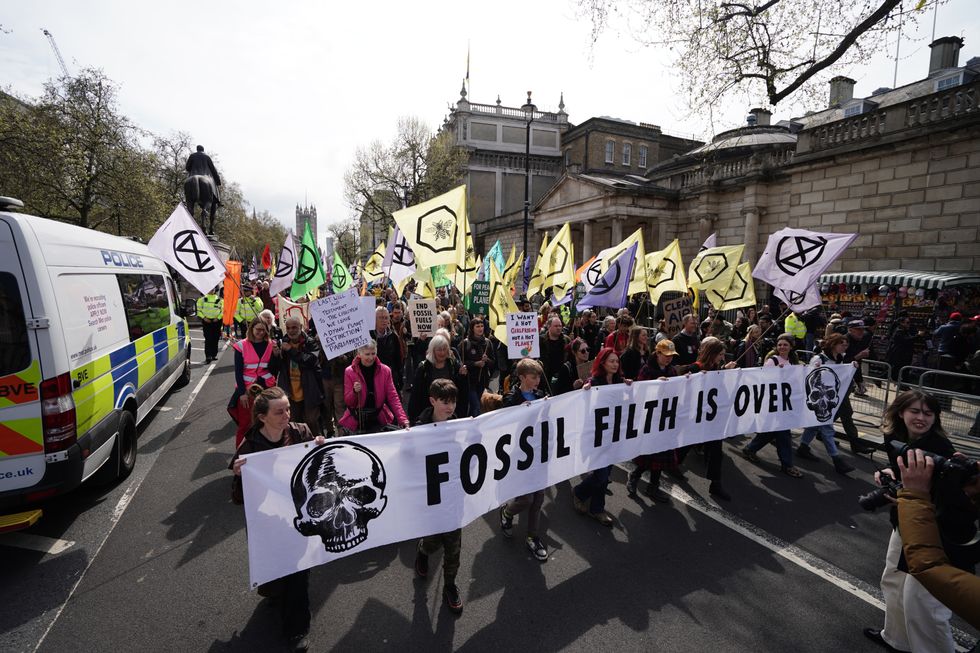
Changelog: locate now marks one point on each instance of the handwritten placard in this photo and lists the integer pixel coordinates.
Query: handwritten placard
(674, 312)
(422, 317)
(342, 323)
(522, 335)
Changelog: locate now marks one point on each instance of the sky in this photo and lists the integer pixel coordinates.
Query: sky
(284, 93)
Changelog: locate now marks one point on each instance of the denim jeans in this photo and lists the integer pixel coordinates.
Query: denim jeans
(784, 445)
(475, 402)
(593, 489)
(826, 433)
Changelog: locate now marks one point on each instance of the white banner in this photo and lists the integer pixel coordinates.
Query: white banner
(308, 505)
(422, 317)
(343, 322)
(523, 338)
(288, 308)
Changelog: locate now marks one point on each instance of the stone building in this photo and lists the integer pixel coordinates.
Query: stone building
(495, 136)
(304, 215)
(901, 167)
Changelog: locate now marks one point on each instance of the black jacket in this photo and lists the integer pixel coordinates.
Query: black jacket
(424, 376)
(515, 398)
(687, 348)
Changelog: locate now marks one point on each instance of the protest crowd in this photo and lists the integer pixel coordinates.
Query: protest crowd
(288, 390)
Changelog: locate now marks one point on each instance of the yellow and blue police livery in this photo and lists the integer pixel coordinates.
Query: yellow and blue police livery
(92, 337)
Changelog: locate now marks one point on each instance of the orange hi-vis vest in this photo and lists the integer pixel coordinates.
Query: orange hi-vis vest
(254, 367)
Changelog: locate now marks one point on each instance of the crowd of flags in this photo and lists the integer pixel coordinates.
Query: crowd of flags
(432, 244)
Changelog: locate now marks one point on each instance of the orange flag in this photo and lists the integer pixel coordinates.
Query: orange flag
(233, 280)
(581, 270)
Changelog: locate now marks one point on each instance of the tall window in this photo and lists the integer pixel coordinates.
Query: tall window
(643, 156)
(610, 151)
(627, 154)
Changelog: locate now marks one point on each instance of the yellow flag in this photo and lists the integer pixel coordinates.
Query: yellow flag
(373, 271)
(425, 286)
(509, 265)
(638, 280)
(714, 268)
(665, 271)
(560, 257)
(463, 278)
(501, 303)
(511, 274)
(436, 229)
(740, 293)
(535, 283)
(468, 252)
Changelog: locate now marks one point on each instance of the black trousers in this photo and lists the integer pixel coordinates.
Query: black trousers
(212, 335)
(713, 456)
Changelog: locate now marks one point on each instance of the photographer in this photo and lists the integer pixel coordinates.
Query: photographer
(958, 590)
(914, 619)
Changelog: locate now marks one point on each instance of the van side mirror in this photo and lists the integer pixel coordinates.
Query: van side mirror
(190, 308)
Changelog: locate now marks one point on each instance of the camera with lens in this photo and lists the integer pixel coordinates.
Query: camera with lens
(949, 474)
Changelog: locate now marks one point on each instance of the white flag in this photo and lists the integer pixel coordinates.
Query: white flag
(285, 267)
(800, 302)
(709, 242)
(180, 242)
(399, 260)
(612, 290)
(795, 258)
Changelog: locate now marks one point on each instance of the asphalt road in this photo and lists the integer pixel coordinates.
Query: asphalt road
(158, 563)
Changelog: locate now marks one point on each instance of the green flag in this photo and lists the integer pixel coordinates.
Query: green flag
(341, 277)
(309, 270)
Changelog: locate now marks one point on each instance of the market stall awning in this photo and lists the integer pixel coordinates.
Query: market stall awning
(911, 278)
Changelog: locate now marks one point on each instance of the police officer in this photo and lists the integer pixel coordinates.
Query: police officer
(249, 307)
(209, 309)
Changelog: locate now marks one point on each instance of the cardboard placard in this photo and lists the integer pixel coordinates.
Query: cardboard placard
(674, 311)
(523, 339)
(342, 323)
(422, 317)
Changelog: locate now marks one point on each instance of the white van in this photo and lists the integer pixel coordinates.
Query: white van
(91, 339)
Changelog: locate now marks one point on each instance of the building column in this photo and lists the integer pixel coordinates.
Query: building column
(653, 242)
(705, 224)
(498, 193)
(586, 240)
(751, 215)
(617, 231)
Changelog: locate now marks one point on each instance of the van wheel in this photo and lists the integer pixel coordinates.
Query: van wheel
(123, 457)
(185, 376)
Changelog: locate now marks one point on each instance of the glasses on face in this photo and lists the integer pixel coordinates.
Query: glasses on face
(583, 350)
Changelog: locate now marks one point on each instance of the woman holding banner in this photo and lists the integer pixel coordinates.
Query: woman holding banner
(479, 359)
(782, 356)
(272, 429)
(659, 366)
(370, 395)
(256, 362)
(711, 358)
(589, 496)
(636, 353)
(568, 376)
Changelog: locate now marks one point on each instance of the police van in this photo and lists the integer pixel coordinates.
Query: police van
(92, 336)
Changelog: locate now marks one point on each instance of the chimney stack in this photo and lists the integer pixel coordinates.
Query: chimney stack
(762, 116)
(945, 53)
(841, 90)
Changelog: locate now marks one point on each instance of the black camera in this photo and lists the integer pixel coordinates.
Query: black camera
(948, 474)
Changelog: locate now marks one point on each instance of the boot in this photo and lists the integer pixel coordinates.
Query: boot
(803, 451)
(841, 466)
(632, 481)
(860, 449)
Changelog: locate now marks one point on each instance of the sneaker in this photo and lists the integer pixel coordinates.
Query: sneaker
(421, 563)
(803, 451)
(453, 600)
(632, 480)
(506, 522)
(603, 518)
(299, 643)
(535, 546)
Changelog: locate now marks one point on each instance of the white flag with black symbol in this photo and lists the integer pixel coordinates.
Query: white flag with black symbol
(800, 302)
(794, 259)
(285, 268)
(612, 290)
(709, 242)
(180, 242)
(399, 260)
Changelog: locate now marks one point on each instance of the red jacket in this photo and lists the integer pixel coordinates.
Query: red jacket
(386, 399)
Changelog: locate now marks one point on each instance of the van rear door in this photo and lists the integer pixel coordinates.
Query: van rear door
(21, 433)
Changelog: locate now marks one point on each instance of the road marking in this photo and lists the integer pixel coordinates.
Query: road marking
(123, 503)
(803, 559)
(49, 545)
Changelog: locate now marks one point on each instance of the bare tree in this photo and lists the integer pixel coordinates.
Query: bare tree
(345, 239)
(766, 49)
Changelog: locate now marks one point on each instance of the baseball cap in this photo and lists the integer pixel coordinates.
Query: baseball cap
(666, 347)
(855, 324)
(956, 316)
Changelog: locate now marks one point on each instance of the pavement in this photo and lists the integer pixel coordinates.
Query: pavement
(158, 563)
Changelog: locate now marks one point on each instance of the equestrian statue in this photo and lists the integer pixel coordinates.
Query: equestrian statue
(201, 187)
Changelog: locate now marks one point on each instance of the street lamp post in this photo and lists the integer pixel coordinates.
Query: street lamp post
(528, 110)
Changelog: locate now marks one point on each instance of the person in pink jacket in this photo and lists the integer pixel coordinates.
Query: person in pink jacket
(370, 395)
